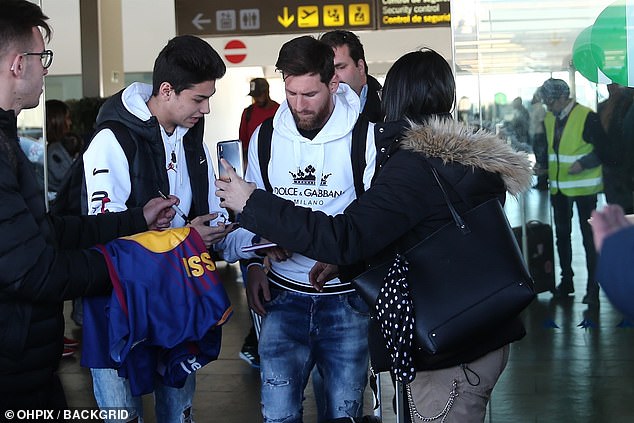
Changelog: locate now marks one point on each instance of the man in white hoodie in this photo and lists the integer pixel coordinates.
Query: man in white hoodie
(310, 163)
(163, 151)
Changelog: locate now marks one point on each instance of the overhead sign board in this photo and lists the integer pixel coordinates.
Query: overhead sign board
(413, 13)
(255, 17)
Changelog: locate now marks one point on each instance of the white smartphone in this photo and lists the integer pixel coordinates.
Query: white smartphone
(231, 151)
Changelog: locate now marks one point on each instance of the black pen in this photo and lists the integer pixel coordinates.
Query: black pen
(176, 208)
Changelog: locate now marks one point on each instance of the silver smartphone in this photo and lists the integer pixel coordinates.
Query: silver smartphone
(231, 151)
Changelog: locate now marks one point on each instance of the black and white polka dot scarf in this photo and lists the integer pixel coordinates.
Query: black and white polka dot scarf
(395, 313)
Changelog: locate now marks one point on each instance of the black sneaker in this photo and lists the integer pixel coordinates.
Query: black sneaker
(563, 290)
(591, 299)
(251, 356)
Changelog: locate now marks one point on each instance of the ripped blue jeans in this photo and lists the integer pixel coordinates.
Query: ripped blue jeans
(302, 331)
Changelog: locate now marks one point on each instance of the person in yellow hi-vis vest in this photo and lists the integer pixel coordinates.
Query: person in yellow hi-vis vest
(574, 172)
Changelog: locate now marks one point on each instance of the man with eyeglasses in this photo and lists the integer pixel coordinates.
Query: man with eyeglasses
(40, 256)
(574, 170)
(46, 57)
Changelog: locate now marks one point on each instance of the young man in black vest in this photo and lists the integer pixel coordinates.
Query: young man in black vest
(165, 122)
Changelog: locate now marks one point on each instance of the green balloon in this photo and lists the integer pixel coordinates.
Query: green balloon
(499, 98)
(582, 56)
(609, 42)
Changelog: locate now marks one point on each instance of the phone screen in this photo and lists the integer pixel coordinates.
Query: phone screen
(231, 151)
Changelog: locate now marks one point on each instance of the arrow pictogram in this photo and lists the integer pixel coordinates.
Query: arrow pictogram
(198, 21)
(287, 20)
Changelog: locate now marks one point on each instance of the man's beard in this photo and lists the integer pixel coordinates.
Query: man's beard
(313, 121)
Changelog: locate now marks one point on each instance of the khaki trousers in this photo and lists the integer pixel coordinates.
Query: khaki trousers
(434, 392)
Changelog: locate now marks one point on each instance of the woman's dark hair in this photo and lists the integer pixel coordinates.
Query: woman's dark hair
(418, 84)
(306, 56)
(56, 128)
(185, 61)
(73, 143)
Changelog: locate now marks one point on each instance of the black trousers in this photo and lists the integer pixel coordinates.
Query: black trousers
(562, 213)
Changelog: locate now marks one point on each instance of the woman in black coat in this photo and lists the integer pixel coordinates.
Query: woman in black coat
(403, 206)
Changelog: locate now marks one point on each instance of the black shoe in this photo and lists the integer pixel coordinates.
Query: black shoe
(563, 290)
(590, 300)
(250, 355)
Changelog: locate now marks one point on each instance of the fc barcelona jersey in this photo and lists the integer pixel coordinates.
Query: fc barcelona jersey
(166, 294)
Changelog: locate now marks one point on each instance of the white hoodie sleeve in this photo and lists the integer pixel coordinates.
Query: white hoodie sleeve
(253, 173)
(107, 174)
(231, 246)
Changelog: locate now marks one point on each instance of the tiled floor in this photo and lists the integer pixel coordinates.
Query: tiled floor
(575, 365)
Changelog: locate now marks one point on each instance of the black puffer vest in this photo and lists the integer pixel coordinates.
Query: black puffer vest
(147, 170)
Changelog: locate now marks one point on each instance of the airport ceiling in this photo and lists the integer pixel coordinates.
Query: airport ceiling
(519, 36)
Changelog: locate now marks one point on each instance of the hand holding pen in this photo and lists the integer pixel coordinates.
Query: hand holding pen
(209, 234)
(176, 209)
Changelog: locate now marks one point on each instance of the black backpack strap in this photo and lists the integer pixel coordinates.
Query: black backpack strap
(72, 196)
(357, 153)
(264, 151)
(122, 134)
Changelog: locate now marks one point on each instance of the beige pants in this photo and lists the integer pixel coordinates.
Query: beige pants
(433, 392)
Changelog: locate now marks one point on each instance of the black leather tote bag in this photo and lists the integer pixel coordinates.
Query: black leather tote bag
(465, 279)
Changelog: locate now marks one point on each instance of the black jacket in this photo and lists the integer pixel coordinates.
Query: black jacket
(42, 266)
(147, 172)
(372, 108)
(403, 206)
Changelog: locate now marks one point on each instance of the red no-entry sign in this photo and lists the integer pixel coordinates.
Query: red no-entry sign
(235, 51)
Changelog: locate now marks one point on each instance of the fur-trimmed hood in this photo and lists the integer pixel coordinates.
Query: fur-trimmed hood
(452, 141)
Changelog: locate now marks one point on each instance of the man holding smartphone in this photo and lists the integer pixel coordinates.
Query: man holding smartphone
(165, 123)
(310, 164)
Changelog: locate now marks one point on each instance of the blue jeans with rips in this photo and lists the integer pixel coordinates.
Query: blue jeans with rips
(171, 405)
(302, 331)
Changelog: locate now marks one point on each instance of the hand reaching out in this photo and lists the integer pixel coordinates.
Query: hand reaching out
(606, 222)
(211, 234)
(235, 192)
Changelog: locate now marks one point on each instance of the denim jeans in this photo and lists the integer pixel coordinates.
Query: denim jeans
(302, 331)
(171, 405)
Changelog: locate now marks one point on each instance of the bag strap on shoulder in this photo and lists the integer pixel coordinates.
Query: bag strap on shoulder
(264, 151)
(460, 223)
(122, 134)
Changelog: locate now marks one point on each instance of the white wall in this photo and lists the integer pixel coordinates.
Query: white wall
(65, 41)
